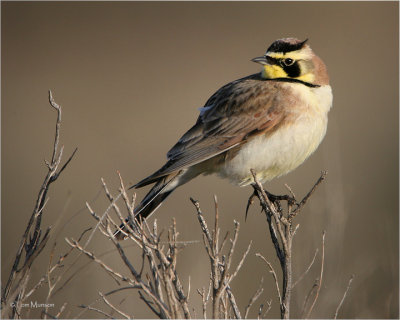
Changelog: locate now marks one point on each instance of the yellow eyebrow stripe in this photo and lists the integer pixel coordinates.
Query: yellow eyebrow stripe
(276, 55)
(296, 55)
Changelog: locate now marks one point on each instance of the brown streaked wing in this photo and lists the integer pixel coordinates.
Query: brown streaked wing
(240, 110)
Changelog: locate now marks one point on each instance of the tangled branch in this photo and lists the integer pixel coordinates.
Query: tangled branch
(34, 238)
(280, 224)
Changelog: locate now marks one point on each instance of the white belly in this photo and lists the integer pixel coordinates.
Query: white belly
(284, 150)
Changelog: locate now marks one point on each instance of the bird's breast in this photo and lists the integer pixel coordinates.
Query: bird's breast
(294, 140)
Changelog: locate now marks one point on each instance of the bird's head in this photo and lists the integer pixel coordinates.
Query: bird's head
(292, 58)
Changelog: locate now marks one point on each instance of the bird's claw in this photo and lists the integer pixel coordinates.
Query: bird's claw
(274, 198)
(250, 202)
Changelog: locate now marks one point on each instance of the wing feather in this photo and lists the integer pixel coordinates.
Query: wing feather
(234, 114)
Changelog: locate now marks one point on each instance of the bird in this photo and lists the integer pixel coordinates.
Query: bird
(270, 121)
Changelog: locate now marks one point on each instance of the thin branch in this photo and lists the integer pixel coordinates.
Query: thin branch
(308, 195)
(202, 221)
(188, 289)
(61, 310)
(307, 270)
(129, 204)
(254, 298)
(149, 304)
(204, 300)
(319, 283)
(97, 310)
(64, 166)
(344, 297)
(79, 316)
(269, 303)
(308, 297)
(113, 307)
(58, 124)
(115, 275)
(290, 191)
(233, 303)
(271, 270)
(240, 264)
(137, 277)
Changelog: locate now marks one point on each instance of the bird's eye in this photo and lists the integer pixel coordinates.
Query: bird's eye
(288, 62)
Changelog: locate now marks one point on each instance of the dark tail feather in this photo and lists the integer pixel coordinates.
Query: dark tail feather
(154, 198)
(160, 191)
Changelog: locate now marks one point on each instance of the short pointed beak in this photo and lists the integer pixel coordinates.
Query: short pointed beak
(261, 60)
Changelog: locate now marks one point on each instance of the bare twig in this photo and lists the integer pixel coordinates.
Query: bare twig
(344, 297)
(308, 195)
(115, 275)
(61, 310)
(306, 271)
(97, 310)
(113, 307)
(271, 270)
(79, 315)
(253, 299)
(150, 305)
(34, 239)
(220, 266)
(233, 303)
(161, 289)
(204, 299)
(269, 304)
(319, 281)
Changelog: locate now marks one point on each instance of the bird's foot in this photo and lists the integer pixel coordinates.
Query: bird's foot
(273, 198)
(250, 202)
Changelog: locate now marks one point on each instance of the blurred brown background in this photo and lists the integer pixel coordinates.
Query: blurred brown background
(130, 77)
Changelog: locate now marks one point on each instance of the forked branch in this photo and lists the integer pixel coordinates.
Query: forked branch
(221, 275)
(34, 238)
(280, 225)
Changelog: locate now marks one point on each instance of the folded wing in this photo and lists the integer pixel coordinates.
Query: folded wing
(234, 114)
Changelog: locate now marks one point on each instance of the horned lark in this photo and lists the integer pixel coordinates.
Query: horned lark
(270, 121)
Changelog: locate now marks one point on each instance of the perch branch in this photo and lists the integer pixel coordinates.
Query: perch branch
(281, 230)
